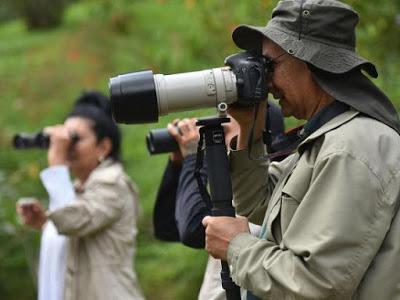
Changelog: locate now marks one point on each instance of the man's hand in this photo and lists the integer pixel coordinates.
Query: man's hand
(186, 134)
(220, 231)
(31, 213)
(60, 142)
(175, 157)
(231, 130)
(245, 118)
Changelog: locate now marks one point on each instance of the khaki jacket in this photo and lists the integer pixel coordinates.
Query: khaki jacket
(331, 227)
(101, 226)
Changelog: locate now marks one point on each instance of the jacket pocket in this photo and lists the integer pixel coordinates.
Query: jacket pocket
(289, 206)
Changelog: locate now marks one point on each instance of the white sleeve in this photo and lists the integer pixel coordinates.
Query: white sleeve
(59, 186)
(255, 229)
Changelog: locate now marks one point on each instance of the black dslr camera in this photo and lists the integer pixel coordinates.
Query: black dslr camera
(141, 97)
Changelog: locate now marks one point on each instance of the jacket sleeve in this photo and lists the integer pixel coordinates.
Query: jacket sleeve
(191, 208)
(97, 207)
(164, 209)
(331, 240)
(253, 182)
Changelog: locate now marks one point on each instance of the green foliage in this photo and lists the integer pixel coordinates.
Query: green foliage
(378, 35)
(42, 73)
(6, 12)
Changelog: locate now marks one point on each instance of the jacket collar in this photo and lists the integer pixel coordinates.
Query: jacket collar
(79, 187)
(330, 125)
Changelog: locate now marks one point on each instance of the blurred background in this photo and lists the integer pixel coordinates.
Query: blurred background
(50, 50)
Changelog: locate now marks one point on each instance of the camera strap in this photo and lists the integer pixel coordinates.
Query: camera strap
(197, 172)
(266, 136)
(286, 144)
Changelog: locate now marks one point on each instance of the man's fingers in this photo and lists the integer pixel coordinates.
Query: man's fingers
(206, 221)
(184, 126)
(192, 123)
(173, 131)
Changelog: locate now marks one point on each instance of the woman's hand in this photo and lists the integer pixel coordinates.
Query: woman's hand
(31, 213)
(60, 142)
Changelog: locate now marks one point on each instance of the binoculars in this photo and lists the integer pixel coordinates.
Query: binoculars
(38, 140)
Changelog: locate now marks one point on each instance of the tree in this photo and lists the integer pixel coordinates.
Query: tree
(40, 14)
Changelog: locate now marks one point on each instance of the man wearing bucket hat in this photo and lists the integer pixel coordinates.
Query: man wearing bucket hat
(329, 212)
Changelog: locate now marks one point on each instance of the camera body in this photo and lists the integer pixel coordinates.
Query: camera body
(141, 97)
(251, 71)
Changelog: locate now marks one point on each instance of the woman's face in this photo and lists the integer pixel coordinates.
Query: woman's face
(84, 155)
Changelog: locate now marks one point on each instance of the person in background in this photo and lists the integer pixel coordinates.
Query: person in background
(94, 217)
(180, 208)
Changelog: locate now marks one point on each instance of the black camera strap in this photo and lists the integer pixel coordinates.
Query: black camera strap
(267, 137)
(197, 172)
(286, 144)
(267, 134)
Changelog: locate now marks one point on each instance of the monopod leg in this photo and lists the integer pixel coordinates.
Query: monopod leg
(220, 186)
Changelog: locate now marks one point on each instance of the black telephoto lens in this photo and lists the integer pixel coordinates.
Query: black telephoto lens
(160, 141)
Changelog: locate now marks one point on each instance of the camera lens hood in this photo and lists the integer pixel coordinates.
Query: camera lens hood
(134, 98)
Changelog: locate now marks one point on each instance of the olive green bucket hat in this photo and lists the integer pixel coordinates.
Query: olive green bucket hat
(320, 32)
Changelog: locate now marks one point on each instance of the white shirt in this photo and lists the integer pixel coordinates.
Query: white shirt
(53, 247)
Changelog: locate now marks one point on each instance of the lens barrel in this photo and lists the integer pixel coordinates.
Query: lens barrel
(142, 97)
(160, 141)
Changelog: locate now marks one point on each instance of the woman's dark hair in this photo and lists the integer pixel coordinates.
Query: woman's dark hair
(96, 107)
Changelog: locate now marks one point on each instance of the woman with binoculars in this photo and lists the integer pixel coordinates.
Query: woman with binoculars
(89, 229)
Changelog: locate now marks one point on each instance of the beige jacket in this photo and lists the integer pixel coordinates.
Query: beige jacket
(331, 227)
(101, 225)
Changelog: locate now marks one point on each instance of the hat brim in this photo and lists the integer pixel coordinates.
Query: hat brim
(326, 57)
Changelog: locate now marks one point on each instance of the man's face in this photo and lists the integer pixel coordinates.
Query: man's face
(291, 83)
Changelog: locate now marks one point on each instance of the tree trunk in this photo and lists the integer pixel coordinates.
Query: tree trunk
(41, 14)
